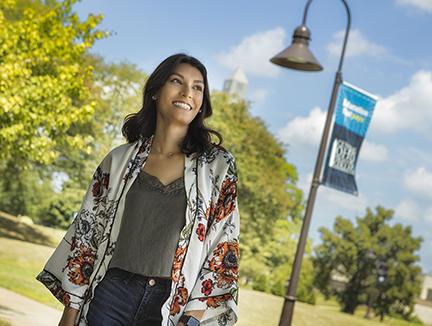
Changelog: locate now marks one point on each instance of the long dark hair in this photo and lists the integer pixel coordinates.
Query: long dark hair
(143, 123)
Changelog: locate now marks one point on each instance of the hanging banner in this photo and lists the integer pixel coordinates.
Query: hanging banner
(354, 108)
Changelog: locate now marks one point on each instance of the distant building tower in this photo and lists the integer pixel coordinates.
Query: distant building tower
(236, 84)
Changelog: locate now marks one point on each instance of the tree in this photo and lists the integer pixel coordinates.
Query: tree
(78, 122)
(378, 262)
(116, 91)
(280, 254)
(43, 84)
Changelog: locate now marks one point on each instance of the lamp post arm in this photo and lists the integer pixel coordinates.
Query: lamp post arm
(347, 29)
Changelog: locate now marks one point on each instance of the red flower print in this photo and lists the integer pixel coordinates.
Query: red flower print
(201, 230)
(225, 263)
(207, 287)
(210, 215)
(226, 201)
(215, 302)
(178, 261)
(81, 266)
(180, 299)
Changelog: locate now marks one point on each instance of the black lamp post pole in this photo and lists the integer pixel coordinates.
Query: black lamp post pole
(288, 307)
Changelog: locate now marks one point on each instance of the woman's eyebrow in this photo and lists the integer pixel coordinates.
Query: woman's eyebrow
(195, 81)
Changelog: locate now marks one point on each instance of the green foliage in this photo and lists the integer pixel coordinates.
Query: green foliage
(267, 181)
(261, 283)
(352, 252)
(61, 209)
(43, 92)
(116, 90)
(23, 192)
(305, 290)
(70, 100)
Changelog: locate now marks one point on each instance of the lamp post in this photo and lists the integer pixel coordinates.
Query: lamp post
(299, 57)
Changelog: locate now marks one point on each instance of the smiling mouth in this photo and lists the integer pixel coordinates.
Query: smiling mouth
(182, 105)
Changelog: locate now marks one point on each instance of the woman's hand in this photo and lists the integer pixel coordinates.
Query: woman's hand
(68, 317)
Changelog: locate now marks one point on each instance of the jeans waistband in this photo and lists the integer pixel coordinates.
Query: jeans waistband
(139, 277)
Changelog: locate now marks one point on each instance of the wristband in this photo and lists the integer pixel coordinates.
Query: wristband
(189, 320)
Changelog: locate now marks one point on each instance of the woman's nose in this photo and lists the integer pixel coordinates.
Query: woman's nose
(186, 91)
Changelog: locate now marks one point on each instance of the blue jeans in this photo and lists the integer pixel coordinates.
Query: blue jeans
(124, 298)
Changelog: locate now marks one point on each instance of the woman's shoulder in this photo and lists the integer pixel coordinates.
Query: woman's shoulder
(121, 151)
(220, 156)
(217, 150)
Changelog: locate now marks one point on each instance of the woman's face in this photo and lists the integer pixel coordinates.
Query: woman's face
(181, 97)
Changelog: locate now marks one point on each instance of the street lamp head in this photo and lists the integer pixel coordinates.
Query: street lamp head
(297, 55)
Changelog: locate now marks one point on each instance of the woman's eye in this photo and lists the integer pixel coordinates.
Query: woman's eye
(176, 80)
(199, 88)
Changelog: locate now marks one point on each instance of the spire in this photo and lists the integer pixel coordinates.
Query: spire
(239, 75)
(236, 84)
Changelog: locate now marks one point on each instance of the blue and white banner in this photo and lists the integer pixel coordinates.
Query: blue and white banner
(354, 108)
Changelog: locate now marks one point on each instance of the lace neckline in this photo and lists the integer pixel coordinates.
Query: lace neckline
(156, 184)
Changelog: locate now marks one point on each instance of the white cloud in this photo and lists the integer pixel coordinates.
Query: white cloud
(357, 44)
(254, 52)
(420, 4)
(343, 200)
(408, 210)
(419, 181)
(333, 197)
(307, 131)
(408, 108)
(304, 130)
(373, 152)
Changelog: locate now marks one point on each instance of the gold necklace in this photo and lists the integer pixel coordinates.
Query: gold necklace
(170, 154)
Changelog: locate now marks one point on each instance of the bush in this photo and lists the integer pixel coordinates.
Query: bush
(261, 283)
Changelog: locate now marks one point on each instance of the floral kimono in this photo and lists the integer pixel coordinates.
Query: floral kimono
(205, 266)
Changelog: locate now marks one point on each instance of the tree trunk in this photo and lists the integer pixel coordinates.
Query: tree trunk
(369, 307)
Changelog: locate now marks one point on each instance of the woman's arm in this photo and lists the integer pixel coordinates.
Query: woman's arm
(215, 292)
(63, 274)
(69, 316)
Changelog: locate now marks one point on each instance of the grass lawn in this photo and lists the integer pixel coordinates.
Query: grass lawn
(21, 261)
(257, 308)
(4, 323)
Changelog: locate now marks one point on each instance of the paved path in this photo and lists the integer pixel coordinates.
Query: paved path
(424, 312)
(22, 311)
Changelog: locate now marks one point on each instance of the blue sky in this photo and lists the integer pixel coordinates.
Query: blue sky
(389, 54)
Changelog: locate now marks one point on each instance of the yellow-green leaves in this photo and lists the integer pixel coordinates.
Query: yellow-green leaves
(44, 85)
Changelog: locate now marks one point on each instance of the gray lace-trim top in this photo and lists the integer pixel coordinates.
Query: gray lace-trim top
(153, 218)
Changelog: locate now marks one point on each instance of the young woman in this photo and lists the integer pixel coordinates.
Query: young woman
(156, 241)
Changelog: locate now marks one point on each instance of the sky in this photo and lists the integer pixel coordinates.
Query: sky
(389, 54)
